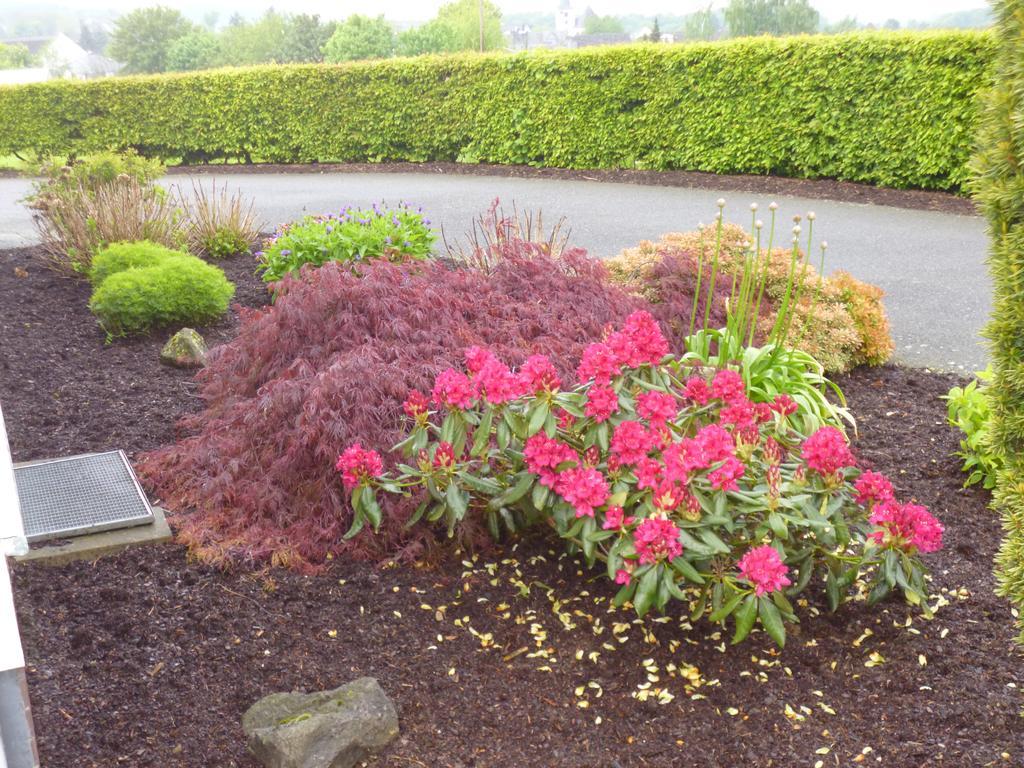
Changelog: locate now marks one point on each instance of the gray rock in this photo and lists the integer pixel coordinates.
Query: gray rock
(329, 729)
(185, 349)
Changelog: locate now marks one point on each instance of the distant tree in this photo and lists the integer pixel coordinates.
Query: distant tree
(360, 37)
(849, 24)
(142, 37)
(602, 25)
(891, 24)
(199, 49)
(463, 16)
(305, 37)
(654, 35)
(14, 56)
(432, 37)
(92, 39)
(701, 25)
(770, 17)
(210, 19)
(243, 43)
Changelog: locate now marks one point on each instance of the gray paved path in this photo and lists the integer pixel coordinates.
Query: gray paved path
(931, 265)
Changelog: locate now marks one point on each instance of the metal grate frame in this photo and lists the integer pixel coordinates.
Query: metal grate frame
(78, 495)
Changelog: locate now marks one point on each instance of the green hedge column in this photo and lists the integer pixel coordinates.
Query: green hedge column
(999, 188)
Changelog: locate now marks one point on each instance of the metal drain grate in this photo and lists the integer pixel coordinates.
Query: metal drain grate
(80, 494)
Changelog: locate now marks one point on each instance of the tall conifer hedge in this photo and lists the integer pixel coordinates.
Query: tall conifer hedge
(998, 186)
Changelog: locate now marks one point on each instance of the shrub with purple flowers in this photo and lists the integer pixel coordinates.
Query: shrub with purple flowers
(353, 235)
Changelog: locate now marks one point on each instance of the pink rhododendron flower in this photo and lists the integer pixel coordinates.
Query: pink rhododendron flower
(724, 477)
(639, 342)
(544, 454)
(496, 383)
(697, 389)
(615, 518)
(584, 488)
(763, 568)
(656, 407)
(358, 465)
(826, 452)
(728, 386)
(656, 538)
(452, 388)
(416, 404)
(682, 458)
(623, 577)
(444, 455)
(784, 405)
(740, 413)
(592, 456)
(598, 363)
(762, 412)
(477, 357)
(715, 443)
(873, 487)
(630, 442)
(648, 473)
(906, 526)
(539, 374)
(601, 403)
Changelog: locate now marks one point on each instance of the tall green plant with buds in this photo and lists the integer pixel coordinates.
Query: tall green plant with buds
(998, 187)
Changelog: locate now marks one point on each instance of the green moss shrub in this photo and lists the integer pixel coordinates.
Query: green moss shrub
(139, 286)
(897, 109)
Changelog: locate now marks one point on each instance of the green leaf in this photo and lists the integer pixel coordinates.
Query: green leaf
(684, 567)
(727, 608)
(771, 620)
(455, 500)
(745, 617)
(647, 590)
(538, 417)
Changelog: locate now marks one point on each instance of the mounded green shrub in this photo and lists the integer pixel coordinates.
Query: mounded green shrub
(896, 109)
(118, 257)
(138, 286)
(999, 189)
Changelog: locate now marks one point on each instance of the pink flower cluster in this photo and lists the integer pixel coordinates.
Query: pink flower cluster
(584, 488)
(543, 456)
(763, 568)
(639, 342)
(656, 538)
(873, 488)
(491, 381)
(826, 452)
(358, 465)
(909, 527)
(416, 405)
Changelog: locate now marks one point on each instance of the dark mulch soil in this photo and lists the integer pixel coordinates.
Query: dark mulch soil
(144, 659)
(829, 189)
(65, 390)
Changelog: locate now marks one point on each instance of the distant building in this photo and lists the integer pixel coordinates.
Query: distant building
(59, 57)
(568, 22)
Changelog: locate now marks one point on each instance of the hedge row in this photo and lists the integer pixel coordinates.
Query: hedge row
(896, 109)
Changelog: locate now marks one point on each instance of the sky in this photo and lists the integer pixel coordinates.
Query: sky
(875, 11)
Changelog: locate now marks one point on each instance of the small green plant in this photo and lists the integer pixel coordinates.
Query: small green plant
(95, 170)
(139, 286)
(969, 411)
(354, 235)
(219, 224)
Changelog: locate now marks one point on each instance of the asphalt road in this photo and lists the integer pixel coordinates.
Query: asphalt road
(931, 265)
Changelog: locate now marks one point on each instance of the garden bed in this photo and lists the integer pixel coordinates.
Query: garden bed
(146, 659)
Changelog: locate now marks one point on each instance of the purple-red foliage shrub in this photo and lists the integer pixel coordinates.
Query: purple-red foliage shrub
(329, 364)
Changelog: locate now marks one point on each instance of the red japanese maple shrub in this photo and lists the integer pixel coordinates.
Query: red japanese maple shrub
(330, 363)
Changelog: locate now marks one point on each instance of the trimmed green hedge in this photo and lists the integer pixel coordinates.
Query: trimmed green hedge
(896, 109)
